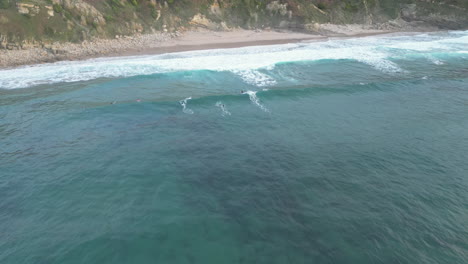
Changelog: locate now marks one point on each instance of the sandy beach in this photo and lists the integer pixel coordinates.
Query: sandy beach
(204, 39)
(163, 43)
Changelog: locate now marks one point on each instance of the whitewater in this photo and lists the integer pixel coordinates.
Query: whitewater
(250, 63)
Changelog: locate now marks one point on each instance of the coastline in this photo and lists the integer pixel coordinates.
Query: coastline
(204, 39)
(159, 43)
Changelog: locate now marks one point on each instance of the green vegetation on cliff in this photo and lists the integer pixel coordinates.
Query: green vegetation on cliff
(32, 21)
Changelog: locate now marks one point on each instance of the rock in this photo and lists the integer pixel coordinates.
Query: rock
(313, 27)
(201, 20)
(136, 27)
(159, 14)
(12, 46)
(290, 25)
(283, 24)
(224, 27)
(396, 23)
(70, 25)
(84, 35)
(255, 17)
(3, 41)
(215, 9)
(83, 20)
(318, 9)
(50, 11)
(3, 19)
(83, 9)
(276, 7)
(408, 12)
(27, 9)
(27, 44)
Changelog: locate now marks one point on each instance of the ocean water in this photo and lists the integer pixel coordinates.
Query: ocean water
(345, 151)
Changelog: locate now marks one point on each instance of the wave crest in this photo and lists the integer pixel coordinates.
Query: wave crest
(375, 51)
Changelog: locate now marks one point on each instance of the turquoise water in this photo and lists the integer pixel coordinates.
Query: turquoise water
(346, 151)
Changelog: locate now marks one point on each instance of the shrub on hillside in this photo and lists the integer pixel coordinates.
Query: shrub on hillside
(4, 4)
(58, 8)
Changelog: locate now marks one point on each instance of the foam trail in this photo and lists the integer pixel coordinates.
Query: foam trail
(183, 103)
(253, 97)
(223, 108)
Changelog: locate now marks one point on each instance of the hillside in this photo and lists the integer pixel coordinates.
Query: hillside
(29, 23)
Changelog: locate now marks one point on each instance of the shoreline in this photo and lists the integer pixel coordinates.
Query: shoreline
(308, 38)
(206, 40)
(160, 43)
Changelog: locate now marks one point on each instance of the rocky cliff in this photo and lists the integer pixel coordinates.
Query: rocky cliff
(31, 23)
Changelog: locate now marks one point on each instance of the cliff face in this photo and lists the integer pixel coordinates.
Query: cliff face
(25, 23)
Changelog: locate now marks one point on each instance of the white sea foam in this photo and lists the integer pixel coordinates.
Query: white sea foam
(183, 103)
(254, 99)
(255, 77)
(223, 108)
(435, 60)
(250, 63)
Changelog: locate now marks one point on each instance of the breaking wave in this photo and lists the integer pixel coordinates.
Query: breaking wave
(256, 78)
(250, 63)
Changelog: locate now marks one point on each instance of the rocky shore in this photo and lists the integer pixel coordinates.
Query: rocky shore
(195, 39)
(86, 49)
(46, 31)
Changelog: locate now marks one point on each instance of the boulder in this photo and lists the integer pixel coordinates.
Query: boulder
(201, 21)
(3, 20)
(3, 41)
(84, 9)
(50, 11)
(408, 12)
(27, 9)
(215, 10)
(276, 7)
